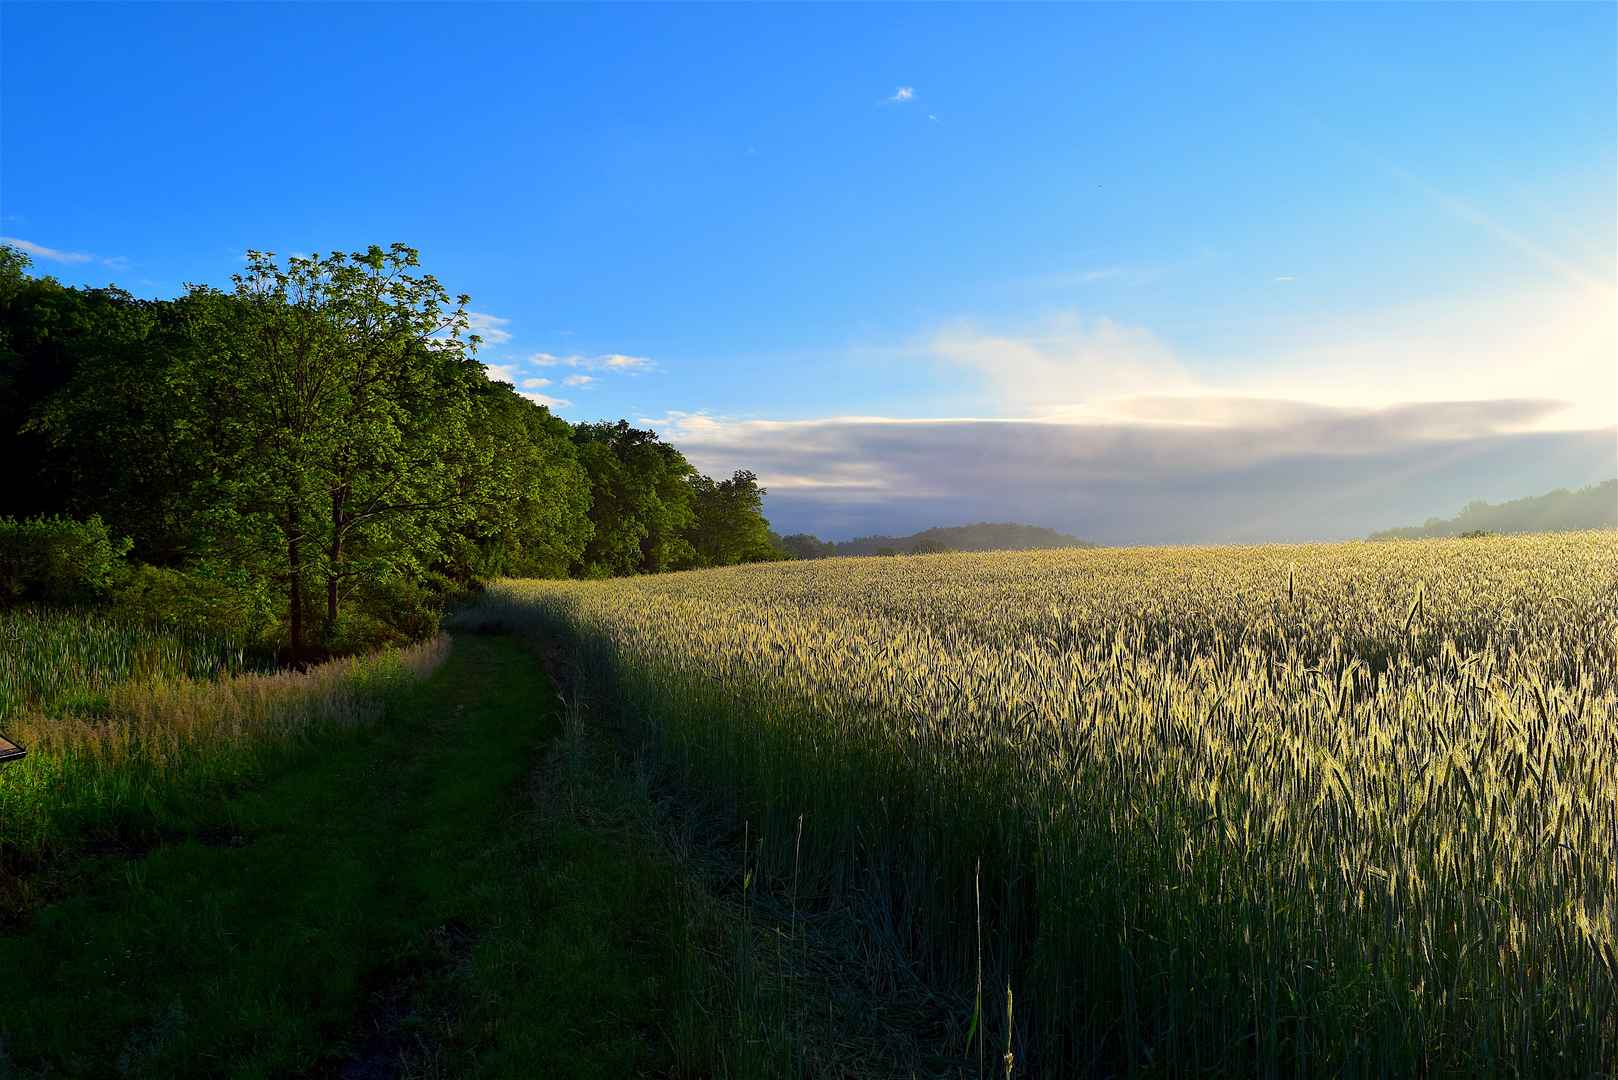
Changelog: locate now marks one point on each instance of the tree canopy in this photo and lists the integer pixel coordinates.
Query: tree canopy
(324, 431)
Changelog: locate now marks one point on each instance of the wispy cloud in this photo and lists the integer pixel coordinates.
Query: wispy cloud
(578, 380)
(1284, 277)
(602, 362)
(534, 384)
(545, 400)
(1128, 274)
(1557, 340)
(40, 251)
(903, 95)
(1064, 362)
(491, 328)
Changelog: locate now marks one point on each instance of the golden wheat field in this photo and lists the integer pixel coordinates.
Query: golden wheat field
(1313, 809)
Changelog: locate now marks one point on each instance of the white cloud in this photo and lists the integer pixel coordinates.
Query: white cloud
(604, 362)
(535, 384)
(503, 373)
(491, 328)
(902, 95)
(933, 118)
(546, 400)
(578, 380)
(1062, 363)
(40, 251)
(1556, 342)
(1284, 277)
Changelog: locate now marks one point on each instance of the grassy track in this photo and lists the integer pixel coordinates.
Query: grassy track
(350, 913)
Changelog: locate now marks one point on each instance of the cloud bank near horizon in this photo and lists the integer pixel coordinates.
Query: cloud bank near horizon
(1104, 429)
(1238, 470)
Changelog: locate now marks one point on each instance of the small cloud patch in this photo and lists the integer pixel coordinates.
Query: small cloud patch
(491, 328)
(50, 254)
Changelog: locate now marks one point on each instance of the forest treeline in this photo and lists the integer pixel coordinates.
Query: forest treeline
(314, 457)
(982, 536)
(1593, 507)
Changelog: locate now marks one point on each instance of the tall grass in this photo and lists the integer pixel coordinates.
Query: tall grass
(51, 658)
(1320, 809)
(131, 730)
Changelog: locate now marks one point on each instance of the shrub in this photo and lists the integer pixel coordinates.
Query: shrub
(56, 560)
(391, 611)
(222, 602)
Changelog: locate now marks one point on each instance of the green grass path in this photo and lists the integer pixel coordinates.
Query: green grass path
(391, 881)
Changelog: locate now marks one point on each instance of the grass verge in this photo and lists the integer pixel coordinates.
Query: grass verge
(456, 892)
(258, 947)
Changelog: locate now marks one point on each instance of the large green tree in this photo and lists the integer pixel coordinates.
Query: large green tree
(729, 526)
(640, 501)
(535, 520)
(94, 402)
(345, 385)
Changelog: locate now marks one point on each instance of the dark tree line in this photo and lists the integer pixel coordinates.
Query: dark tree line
(320, 443)
(1593, 507)
(983, 536)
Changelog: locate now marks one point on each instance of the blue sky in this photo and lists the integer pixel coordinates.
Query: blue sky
(1114, 227)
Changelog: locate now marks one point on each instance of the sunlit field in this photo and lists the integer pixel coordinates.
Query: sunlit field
(1306, 810)
(130, 726)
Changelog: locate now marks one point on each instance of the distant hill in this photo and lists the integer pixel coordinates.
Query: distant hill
(1594, 507)
(983, 536)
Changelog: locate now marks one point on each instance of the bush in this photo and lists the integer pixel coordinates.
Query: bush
(392, 611)
(56, 560)
(225, 603)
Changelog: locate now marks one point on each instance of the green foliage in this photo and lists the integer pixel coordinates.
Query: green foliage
(729, 526)
(52, 659)
(805, 546)
(217, 599)
(391, 610)
(56, 560)
(322, 433)
(350, 387)
(536, 521)
(641, 502)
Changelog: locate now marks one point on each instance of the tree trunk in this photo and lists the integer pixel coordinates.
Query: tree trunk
(334, 562)
(329, 631)
(295, 583)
